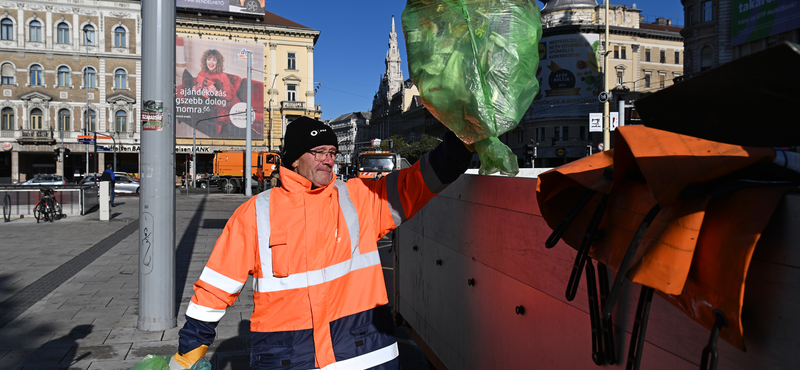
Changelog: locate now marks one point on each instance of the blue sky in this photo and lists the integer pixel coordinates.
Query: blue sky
(349, 55)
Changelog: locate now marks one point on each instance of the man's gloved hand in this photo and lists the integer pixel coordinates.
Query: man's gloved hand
(184, 361)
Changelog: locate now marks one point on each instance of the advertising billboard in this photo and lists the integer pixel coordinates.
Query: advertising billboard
(211, 92)
(569, 76)
(230, 6)
(756, 19)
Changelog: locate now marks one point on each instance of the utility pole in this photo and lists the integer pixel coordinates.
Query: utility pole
(86, 74)
(157, 200)
(606, 126)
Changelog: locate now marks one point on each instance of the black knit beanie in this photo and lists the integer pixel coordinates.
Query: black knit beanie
(303, 134)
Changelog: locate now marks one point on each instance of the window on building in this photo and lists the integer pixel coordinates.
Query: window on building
(62, 33)
(706, 58)
(689, 15)
(121, 121)
(64, 120)
(646, 55)
(291, 61)
(7, 29)
(36, 119)
(88, 34)
(8, 72)
(120, 79)
(583, 132)
(557, 133)
(291, 92)
(89, 78)
(539, 134)
(36, 75)
(647, 79)
(91, 120)
(677, 57)
(8, 118)
(619, 78)
(565, 133)
(616, 52)
(663, 56)
(35, 31)
(119, 37)
(708, 11)
(63, 76)
(624, 54)
(662, 80)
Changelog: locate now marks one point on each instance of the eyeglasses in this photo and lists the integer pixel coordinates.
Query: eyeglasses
(321, 155)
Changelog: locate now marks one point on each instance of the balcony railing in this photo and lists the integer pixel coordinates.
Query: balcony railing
(36, 136)
(293, 105)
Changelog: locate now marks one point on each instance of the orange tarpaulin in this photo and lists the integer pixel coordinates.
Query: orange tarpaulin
(697, 250)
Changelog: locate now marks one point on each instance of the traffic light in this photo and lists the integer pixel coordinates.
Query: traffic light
(57, 152)
(530, 149)
(66, 152)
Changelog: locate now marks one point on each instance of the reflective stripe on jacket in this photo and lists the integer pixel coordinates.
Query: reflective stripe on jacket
(318, 283)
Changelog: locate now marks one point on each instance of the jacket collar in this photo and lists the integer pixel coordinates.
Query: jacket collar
(293, 182)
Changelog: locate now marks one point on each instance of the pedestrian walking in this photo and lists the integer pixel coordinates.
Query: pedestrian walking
(311, 246)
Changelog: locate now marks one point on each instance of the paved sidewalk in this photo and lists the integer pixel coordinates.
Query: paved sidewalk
(68, 290)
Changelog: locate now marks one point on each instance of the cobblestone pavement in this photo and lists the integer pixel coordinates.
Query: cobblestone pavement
(69, 289)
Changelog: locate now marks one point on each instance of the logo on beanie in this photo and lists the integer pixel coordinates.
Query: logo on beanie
(314, 133)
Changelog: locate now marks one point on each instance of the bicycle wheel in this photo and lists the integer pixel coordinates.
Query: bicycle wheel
(38, 211)
(51, 210)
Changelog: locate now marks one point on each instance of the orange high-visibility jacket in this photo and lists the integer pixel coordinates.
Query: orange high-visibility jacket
(319, 290)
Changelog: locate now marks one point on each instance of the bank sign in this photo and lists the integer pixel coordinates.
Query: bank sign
(757, 19)
(136, 148)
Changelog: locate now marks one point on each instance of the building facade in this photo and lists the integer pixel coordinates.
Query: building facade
(69, 68)
(352, 131)
(712, 36)
(283, 78)
(642, 58)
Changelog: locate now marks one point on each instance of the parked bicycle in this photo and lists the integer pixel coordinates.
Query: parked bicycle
(48, 208)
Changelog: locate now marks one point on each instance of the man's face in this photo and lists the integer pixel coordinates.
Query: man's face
(319, 172)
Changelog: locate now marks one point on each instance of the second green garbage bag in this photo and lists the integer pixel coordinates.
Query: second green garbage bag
(474, 62)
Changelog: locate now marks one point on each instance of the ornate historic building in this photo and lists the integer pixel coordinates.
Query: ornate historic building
(68, 68)
(73, 68)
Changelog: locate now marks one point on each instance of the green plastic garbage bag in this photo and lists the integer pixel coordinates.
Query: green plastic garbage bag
(155, 362)
(474, 62)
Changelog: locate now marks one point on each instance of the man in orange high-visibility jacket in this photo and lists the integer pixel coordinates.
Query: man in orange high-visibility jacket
(311, 247)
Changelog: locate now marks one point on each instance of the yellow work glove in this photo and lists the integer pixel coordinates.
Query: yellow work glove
(188, 359)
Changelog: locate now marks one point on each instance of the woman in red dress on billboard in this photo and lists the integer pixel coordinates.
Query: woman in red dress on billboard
(218, 86)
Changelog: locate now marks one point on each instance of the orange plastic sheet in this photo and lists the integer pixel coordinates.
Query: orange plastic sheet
(697, 250)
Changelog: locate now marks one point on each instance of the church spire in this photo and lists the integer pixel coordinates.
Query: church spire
(394, 71)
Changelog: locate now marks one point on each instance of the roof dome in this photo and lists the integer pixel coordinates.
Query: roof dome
(554, 5)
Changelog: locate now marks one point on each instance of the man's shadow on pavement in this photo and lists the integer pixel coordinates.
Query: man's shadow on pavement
(62, 349)
(233, 353)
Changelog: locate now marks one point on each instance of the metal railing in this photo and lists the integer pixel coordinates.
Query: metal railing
(19, 200)
(293, 105)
